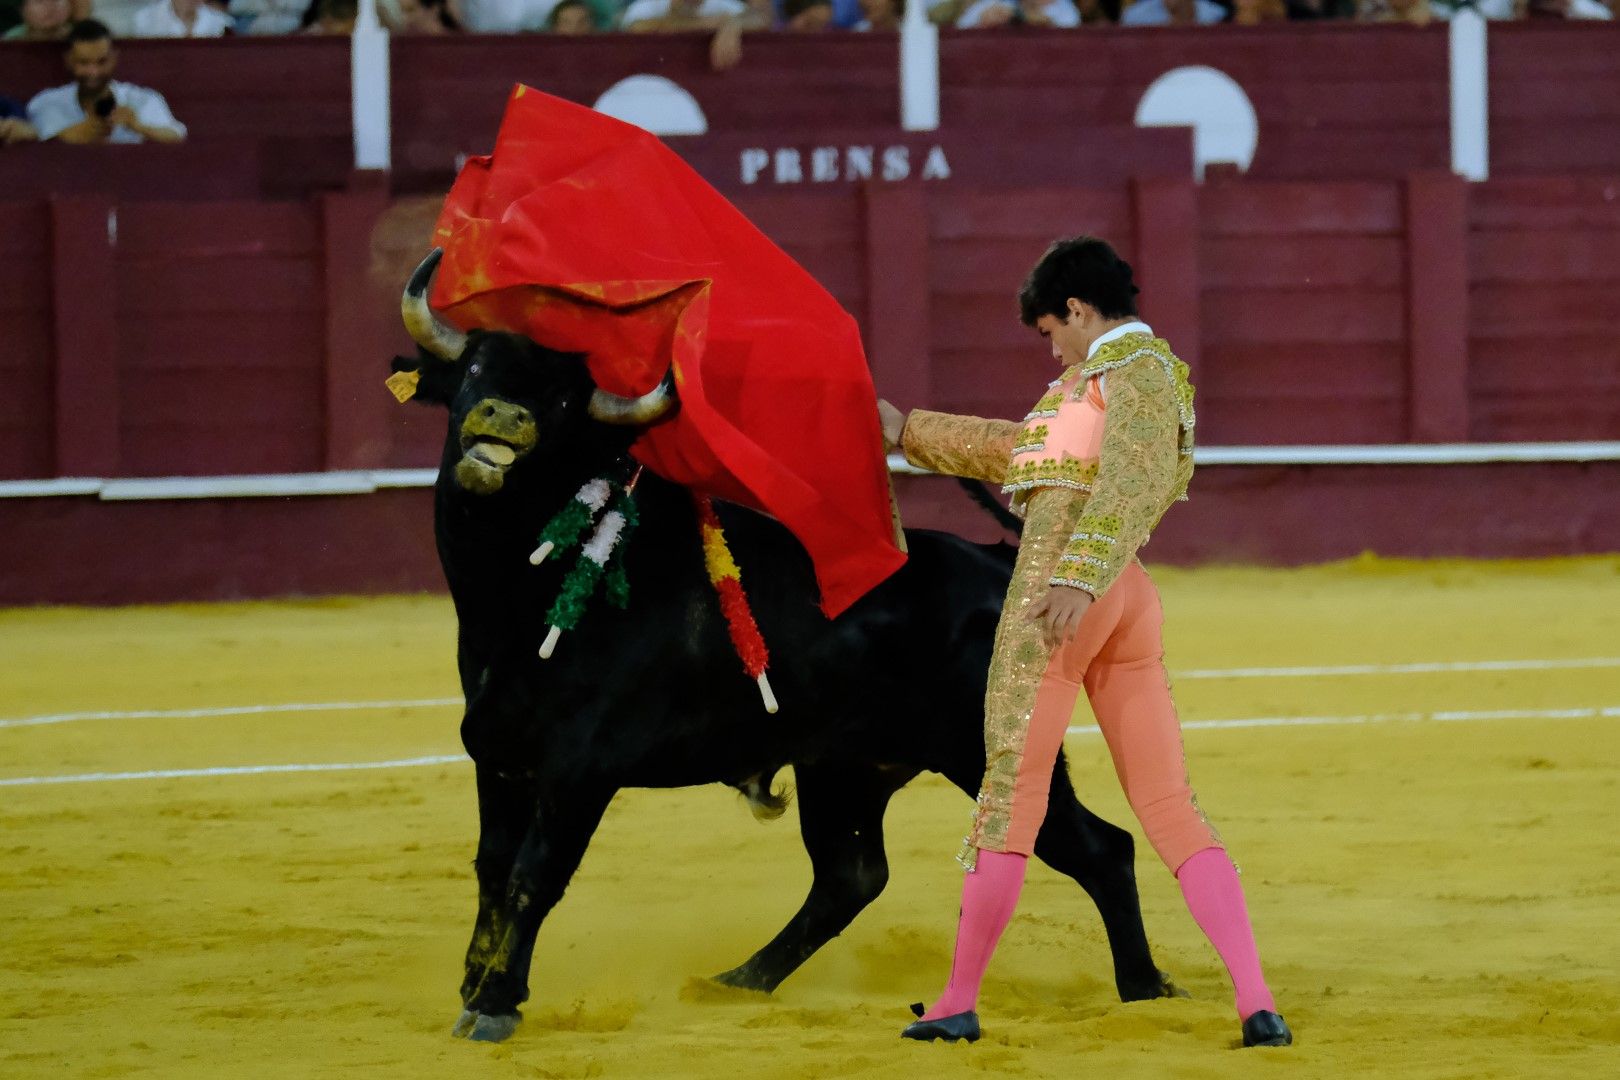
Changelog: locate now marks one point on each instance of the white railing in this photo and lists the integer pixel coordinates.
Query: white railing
(366, 481)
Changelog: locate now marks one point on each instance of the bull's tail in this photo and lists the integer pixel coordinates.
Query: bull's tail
(766, 804)
(980, 494)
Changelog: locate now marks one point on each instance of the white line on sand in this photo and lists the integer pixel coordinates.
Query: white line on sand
(231, 770)
(1194, 673)
(1453, 716)
(1399, 669)
(229, 710)
(1194, 725)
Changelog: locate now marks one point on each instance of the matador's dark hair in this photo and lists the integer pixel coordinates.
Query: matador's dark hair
(1085, 268)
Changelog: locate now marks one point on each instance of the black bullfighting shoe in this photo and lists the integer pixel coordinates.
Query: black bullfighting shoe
(963, 1025)
(1266, 1029)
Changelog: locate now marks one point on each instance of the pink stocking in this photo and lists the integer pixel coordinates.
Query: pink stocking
(1210, 885)
(989, 895)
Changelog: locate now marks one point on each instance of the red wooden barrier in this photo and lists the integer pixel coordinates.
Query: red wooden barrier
(207, 338)
(84, 309)
(1544, 309)
(26, 325)
(1437, 307)
(1554, 98)
(361, 321)
(1333, 101)
(1304, 313)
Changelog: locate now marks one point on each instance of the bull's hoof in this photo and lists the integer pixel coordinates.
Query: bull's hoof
(1160, 985)
(1169, 988)
(482, 1027)
(740, 978)
(494, 1029)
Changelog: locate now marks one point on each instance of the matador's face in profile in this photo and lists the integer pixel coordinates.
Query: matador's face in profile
(1070, 337)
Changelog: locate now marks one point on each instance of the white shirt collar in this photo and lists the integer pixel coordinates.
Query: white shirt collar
(1136, 326)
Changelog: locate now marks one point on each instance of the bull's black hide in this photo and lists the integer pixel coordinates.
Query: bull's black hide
(655, 696)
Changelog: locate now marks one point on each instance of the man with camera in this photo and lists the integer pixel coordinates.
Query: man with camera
(95, 108)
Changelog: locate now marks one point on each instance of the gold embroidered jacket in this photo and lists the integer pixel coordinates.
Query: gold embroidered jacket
(1113, 501)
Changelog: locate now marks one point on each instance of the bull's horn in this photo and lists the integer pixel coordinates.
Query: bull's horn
(640, 411)
(445, 342)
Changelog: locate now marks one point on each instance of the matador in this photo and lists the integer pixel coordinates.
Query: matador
(1092, 468)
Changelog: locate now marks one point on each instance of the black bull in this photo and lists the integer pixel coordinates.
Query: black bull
(655, 696)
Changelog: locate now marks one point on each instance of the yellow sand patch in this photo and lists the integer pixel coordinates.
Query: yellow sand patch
(1433, 898)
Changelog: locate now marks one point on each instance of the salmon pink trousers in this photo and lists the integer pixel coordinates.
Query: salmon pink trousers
(1117, 657)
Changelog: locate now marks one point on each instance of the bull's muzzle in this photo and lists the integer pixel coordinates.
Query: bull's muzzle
(495, 436)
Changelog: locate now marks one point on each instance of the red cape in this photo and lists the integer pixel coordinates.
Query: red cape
(590, 235)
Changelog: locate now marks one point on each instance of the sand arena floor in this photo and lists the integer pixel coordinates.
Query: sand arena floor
(1436, 886)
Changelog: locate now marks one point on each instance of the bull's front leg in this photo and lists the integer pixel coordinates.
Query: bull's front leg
(561, 828)
(505, 810)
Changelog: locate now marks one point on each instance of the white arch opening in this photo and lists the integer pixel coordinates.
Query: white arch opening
(1225, 128)
(655, 104)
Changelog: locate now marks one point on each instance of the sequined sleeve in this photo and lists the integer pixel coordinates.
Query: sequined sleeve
(1141, 470)
(959, 445)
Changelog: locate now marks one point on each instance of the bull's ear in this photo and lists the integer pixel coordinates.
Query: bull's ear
(425, 378)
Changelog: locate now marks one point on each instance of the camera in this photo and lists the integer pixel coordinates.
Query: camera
(105, 105)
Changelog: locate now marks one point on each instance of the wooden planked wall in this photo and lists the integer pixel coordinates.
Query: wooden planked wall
(1554, 97)
(1544, 309)
(208, 338)
(1333, 101)
(27, 370)
(1303, 297)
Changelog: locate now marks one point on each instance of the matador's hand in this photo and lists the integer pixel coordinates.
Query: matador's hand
(894, 422)
(1060, 612)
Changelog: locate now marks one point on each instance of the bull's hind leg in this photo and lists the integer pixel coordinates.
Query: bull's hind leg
(551, 851)
(1102, 858)
(841, 819)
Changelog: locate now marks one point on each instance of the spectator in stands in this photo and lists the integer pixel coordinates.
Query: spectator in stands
(42, 20)
(11, 13)
(1566, 9)
(335, 18)
(519, 16)
(14, 125)
(807, 16)
(1255, 12)
(180, 19)
(881, 15)
(572, 17)
(989, 14)
(1172, 13)
(644, 16)
(1445, 9)
(94, 108)
(434, 17)
(263, 18)
(1412, 12)
(1315, 9)
(1098, 12)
